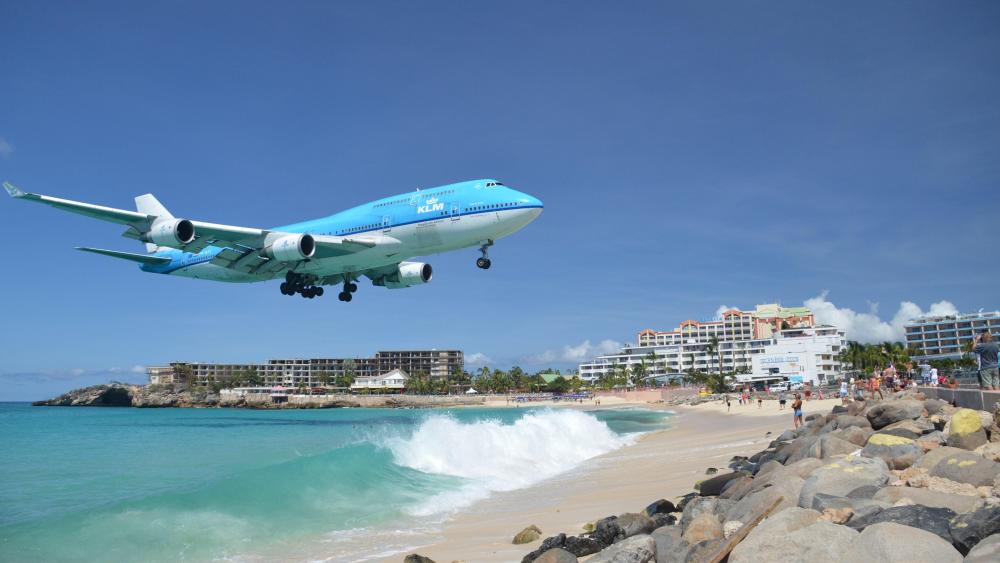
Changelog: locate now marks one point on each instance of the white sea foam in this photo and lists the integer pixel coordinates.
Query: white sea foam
(493, 456)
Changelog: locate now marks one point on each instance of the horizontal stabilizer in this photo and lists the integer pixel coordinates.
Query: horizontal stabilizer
(140, 258)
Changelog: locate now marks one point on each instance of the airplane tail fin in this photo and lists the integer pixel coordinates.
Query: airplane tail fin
(149, 205)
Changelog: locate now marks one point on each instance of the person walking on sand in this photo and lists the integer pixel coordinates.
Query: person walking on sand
(843, 392)
(782, 399)
(797, 411)
(760, 401)
(728, 406)
(987, 348)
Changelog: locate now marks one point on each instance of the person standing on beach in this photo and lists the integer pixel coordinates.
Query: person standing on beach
(843, 392)
(987, 348)
(781, 401)
(728, 406)
(797, 411)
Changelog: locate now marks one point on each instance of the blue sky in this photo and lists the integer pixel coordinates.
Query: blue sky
(690, 155)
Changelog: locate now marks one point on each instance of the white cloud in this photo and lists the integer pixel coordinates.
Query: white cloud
(575, 353)
(477, 359)
(5, 148)
(869, 327)
(721, 309)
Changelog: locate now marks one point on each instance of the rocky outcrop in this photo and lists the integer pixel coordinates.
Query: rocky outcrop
(112, 395)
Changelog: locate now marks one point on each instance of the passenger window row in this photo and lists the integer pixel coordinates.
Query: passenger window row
(491, 206)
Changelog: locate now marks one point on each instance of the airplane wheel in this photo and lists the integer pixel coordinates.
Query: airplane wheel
(345, 296)
(352, 287)
(286, 289)
(306, 294)
(484, 263)
(319, 291)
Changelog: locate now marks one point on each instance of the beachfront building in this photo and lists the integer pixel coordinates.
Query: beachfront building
(392, 382)
(803, 355)
(944, 337)
(315, 372)
(740, 335)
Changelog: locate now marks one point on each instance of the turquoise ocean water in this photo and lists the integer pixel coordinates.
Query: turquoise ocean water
(119, 484)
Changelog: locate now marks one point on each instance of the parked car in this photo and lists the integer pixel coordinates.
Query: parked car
(779, 387)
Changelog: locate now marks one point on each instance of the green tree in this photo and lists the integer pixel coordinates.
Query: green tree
(558, 385)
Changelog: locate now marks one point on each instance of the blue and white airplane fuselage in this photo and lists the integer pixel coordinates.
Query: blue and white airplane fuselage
(375, 240)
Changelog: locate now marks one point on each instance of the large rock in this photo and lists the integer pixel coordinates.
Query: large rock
(737, 488)
(848, 421)
(580, 546)
(637, 549)
(705, 526)
(819, 542)
(854, 434)
(557, 555)
(969, 529)
(416, 558)
(843, 476)
(858, 506)
(804, 468)
(912, 429)
(935, 520)
(632, 524)
(668, 544)
(888, 542)
(896, 451)
(662, 506)
(527, 535)
(885, 413)
(935, 456)
(986, 551)
(713, 487)
(966, 467)
(787, 488)
(933, 406)
(990, 451)
(926, 497)
(966, 430)
(829, 446)
(697, 507)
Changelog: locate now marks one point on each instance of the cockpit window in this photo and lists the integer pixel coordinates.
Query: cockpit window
(493, 184)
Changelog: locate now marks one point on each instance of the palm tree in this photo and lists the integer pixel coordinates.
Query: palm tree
(712, 348)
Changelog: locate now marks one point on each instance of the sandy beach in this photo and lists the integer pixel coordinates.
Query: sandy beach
(663, 464)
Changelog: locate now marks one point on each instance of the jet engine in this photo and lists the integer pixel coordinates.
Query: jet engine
(408, 274)
(291, 248)
(171, 232)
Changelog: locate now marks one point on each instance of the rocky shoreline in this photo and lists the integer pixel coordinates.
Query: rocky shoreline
(899, 480)
(145, 396)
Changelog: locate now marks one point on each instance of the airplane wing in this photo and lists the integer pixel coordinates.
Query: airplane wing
(244, 247)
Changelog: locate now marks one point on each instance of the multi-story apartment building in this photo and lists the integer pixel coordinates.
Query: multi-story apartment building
(739, 335)
(945, 337)
(310, 372)
(804, 355)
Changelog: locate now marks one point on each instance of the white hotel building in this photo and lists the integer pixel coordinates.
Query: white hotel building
(944, 337)
(741, 336)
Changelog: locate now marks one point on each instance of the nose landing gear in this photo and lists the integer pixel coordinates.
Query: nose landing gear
(484, 261)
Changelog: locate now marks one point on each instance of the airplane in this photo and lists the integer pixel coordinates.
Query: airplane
(376, 240)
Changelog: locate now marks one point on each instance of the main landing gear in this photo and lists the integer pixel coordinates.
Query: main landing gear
(349, 289)
(301, 284)
(484, 261)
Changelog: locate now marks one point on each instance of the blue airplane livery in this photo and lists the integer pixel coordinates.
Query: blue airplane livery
(376, 240)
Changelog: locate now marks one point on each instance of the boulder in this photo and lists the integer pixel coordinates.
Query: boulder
(843, 476)
(885, 413)
(856, 407)
(889, 542)
(838, 409)
(705, 526)
(829, 446)
(969, 529)
(696, 507)
(787, 436)
(804, 468)
(662, 506)
(737, 488)
(789, 488)
(713, 487)
(818, 542)
(860, 506)
(848, 421)
(933, 457)
(637, 549)
(662, 519)
(935, 520)
(933, 406)
(912, 429)
(986, 551)
(931, 441)
(414, 558)
(632, 524)
(966, 467)
(854, 434)
(990, 451)
(966, 430)
(702, 551)
(866, 491)
(557, 555)
(606, 531)
(896, 451)
(580, 546)
(668, 544)
(926, 497)
(527, 535)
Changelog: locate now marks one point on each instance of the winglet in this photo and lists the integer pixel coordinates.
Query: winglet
(12, 190)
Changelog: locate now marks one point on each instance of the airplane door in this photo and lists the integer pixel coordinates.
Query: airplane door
(455, 215)
(386, 224)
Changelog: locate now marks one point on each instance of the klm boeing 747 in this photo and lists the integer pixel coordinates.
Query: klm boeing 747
(375, 240)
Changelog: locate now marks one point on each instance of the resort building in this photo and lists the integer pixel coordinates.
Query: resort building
(939, 338)
(316, 371)
(806, 355)
(393, 382)
(740, 335)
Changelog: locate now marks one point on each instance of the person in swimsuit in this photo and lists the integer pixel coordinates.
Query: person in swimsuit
(797, 411)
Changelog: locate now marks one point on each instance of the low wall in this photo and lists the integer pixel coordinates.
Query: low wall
(966, 398)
